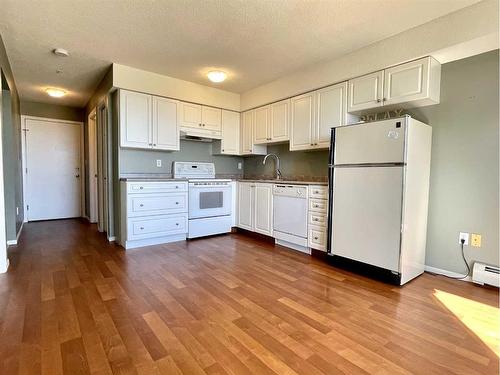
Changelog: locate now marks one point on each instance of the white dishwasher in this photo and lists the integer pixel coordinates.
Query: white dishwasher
(290, 216)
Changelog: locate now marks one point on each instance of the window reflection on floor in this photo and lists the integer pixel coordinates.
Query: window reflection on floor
(483, 320)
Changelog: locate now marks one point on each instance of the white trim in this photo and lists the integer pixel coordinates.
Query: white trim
(11, 242)
(14, 242)
(440, 271)
(92, 162)
(4, 260)
(24, 118)
(112, 239)
(5, 266)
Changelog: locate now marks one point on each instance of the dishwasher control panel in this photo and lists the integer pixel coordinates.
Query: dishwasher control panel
(297, 191)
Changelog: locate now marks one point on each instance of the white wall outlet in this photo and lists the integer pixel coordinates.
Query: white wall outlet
(240, 165)
(463, 236)
(158, 163)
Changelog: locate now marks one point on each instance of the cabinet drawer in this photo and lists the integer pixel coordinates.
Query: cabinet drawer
(318, 219)
(156, 226)
(317, 205)
(156, 204)
(318, 192)
(156, 187)
(317, 239)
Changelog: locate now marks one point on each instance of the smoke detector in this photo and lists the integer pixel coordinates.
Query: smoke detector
(60, 52)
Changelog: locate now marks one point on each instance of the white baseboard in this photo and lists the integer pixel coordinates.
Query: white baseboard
(112, 239)
(440, 271)
(11, 242)
(14, 242)
(4, 267)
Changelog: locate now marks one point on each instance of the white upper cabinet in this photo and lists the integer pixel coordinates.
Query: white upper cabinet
(414, 82)
(148, 122)
(230, 141)
(302, 122)
(165, 124)
(247, 146)
(211, 118)
(135, 120)
(331, 111)
(191, 115)
(262, 122)
(366, 92)
(280, 121)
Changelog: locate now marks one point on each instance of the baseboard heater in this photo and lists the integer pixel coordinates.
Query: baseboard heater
(485, 274)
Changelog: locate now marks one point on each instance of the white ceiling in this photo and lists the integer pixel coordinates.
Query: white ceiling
(254, 41)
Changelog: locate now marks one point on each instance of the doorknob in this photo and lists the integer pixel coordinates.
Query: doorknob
(77, 176)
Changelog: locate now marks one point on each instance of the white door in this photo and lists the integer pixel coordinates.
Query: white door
(165, 124)
(367, 215)
(93, 194)
(332, 108)
(280, 120)
(263, 212)
(366, 92)
(247, 132)
(211, 118)
(261, 125)
(406, 82)
(245, 205)
(53, 163)
(191, 115)
(135, 120)
(230, 144)
(302, 122)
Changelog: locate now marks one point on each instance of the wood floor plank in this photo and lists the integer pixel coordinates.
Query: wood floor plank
(233, 304)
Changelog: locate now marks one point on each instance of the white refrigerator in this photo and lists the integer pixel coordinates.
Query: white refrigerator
(379, 192)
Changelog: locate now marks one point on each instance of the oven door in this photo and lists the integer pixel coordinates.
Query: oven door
(209, 200)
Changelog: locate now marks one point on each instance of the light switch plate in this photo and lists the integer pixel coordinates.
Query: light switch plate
(158, 163)
(465, 236)
(475, 240)
(240, 165)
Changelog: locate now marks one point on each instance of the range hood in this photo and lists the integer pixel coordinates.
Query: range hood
(199, 135)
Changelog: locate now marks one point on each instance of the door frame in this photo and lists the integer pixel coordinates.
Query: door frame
(92, 166)
(24, 150)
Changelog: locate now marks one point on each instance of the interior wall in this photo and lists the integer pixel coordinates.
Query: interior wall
(9, 170)
(464, 186)
(53, 111)
(15, 157)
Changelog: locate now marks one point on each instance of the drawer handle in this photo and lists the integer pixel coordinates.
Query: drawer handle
(177, 224)
(316, 192)
(140, 187)
(316, 205)
(176, 202)
(142, 228)
(315, 238)
(141, 205)
(315, 219)
(177, 187)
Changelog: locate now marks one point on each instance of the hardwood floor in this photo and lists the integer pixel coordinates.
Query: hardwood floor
(72, 303)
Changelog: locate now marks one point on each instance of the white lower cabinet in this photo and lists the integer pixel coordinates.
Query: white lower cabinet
(153, 212)
(317, 222)
(255, 207)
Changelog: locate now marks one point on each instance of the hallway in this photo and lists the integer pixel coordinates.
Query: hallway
(72, 303)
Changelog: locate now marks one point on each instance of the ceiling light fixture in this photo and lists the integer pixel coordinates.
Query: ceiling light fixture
(216, 76)
(55, 93)
(60, 52)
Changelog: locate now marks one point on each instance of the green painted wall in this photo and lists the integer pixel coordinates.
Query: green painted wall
(464, 187)
(9, 170)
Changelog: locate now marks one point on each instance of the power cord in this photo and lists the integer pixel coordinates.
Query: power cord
(462, 242)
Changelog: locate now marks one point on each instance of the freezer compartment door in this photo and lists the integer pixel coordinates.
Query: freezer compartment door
(371, 143)
(366, 223)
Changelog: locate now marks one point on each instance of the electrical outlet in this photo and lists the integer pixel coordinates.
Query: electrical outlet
(475, 240)
(240, 165)
(158, 163)
(463, 236)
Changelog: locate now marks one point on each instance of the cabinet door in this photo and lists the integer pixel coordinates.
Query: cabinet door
(135, 120)
(261, 125)
(211, 118)
(332, 109)
(247, 132)
(191, 116)
(280, 120)
(245, 205)
(230, 143)
(302, 122)
(263, 212)
(407, 82)
(366, 92)
(165, 124)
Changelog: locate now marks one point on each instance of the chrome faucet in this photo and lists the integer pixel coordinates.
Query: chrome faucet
(278, 171)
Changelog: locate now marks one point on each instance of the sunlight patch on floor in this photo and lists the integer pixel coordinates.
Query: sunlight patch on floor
(483, 320)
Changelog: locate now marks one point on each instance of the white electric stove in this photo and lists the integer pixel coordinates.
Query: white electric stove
(210, 201)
